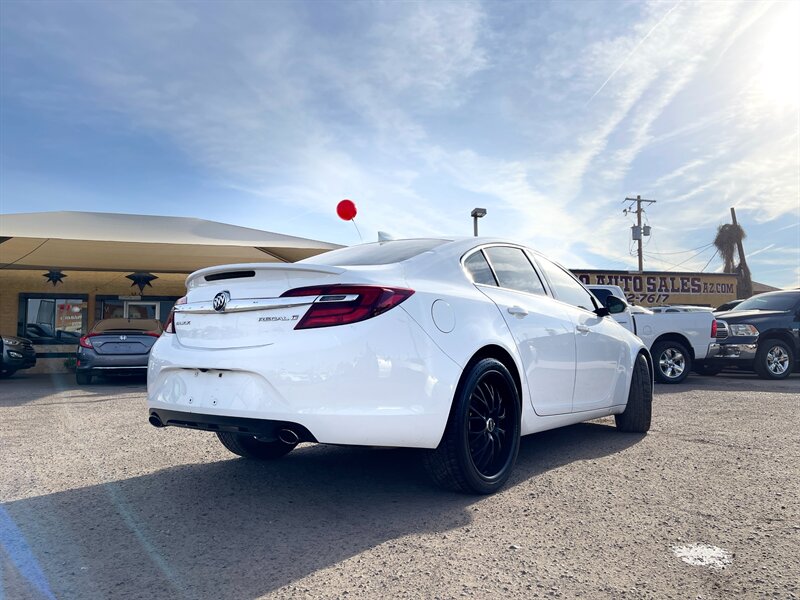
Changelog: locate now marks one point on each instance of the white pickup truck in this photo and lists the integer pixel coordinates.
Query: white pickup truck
(677, 340)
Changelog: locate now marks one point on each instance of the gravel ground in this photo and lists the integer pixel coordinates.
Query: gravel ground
(96, 503)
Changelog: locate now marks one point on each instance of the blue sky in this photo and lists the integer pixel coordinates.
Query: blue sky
(547, 114)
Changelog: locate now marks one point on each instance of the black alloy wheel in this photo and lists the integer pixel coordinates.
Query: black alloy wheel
(489, 427)
(481, 441)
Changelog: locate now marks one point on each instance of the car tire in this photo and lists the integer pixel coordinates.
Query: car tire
(774, 359)
(83, 378)
(249, 446)
(672, 361)
(481, 440)
(6, 373)
(639, 410)
(707, 370)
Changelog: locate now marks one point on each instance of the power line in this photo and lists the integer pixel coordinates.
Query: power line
(675, 266)
(709, 260)
(25, 255)
(683, 251)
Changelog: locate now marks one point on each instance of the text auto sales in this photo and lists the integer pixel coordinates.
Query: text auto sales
(652, 284)
(658, 288)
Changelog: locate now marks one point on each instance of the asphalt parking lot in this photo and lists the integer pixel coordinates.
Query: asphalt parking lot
(96, 503)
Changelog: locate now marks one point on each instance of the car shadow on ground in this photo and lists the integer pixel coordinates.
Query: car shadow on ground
(23, 388)
(240, 529)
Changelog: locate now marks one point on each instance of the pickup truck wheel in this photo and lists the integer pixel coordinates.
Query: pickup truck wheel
(672, 360)
(249, 446)
(639, 410)
(774, 359)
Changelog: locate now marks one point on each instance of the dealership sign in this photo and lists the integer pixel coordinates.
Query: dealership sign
(653, 288)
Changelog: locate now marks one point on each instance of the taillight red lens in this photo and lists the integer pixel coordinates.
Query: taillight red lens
(169, 326)
(85, 342)
(328, 310)
(714, 328)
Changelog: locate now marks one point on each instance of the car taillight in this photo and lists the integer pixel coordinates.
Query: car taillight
(344, 304)
(714, 328)
(169, 326)
(85, 342)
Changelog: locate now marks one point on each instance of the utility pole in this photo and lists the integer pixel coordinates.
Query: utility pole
(637, 231)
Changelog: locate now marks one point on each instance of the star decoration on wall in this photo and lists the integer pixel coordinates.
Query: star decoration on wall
(141, 280)
(54, 277)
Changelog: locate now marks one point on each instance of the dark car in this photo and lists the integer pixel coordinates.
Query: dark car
(763, 335)
(116, 346)
(15, 353)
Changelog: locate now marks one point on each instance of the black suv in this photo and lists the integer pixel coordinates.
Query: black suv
(763, 335)
(15, 353)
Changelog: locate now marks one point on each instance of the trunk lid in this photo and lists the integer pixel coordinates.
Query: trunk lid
(254, 314)
(122, 342)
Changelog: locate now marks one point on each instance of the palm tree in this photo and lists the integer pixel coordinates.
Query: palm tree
(727, 240)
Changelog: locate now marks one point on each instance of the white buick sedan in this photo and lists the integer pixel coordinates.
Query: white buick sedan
(458, 346)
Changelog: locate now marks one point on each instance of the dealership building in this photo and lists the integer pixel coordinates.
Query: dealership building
(62, 271)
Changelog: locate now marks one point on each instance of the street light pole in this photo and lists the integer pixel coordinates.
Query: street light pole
(476, 214)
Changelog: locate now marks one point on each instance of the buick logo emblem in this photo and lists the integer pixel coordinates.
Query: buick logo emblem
(220, 300)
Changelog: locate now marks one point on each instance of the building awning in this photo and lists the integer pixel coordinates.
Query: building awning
(120, 242)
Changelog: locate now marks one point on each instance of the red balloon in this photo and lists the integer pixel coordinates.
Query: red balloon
(346, 209)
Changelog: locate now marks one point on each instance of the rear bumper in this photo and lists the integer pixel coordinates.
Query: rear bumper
(259, 427)
(381, 382)
(88, 360)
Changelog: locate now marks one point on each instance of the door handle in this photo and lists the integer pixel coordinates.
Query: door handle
(582, 329)
(517, 311)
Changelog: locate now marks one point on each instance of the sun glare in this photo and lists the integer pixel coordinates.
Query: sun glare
(780, 59)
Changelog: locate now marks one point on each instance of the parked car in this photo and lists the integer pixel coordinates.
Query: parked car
(116, 346)
(16, 353)
(763, 336)
(455, 346)
(729, 305)
(679, 341)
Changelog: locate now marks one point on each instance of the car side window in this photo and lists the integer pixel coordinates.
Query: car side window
(479, 270)
(602, 295)
(513, 270)
(565, 287)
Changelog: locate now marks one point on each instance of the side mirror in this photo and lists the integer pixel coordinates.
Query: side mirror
(615, 305)
(601, 311)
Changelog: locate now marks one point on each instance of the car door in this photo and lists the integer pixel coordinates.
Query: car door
(542, 330)
(600, 375)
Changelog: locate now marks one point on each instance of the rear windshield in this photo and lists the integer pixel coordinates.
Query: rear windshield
(127, 325)
(377, 253)
(777, 301)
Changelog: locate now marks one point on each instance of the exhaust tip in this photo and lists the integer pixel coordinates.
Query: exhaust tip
(287, 436)
(155, 421)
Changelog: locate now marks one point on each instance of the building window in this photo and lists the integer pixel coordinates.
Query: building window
(139, 307)
(51, 319)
